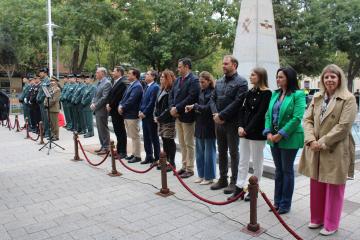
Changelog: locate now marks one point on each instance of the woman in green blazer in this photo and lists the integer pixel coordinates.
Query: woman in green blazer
(285, 134)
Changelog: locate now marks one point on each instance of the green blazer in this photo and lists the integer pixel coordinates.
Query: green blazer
(291, 113)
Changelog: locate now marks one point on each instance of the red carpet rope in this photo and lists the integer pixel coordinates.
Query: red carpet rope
(88, 160)
(132, 169)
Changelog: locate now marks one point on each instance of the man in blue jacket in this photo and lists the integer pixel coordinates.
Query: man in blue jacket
(151, 137)
(129, 107)
(185, 91)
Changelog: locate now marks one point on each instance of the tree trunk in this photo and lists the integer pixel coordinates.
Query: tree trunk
(84, 53)
(75, 58)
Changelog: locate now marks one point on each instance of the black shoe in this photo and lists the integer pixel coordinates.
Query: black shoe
(247, 198)
(134, 160)
(122, 155)
(181, 171)
(237, 191)
(230, 188)
(221, 183)
(187, 174)
(88, 135)
(282, 211)
(129, 157)
(147, 161)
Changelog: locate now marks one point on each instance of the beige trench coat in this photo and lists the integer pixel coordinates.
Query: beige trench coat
(336, 162)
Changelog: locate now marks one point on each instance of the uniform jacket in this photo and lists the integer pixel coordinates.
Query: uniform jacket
(227, 90)
(41, 95)
(63, 92)
(185, 94)
(25, 93)
(291, 113)
(69, 92)
(116, 94)
(79, 92)
(89, 93)
(33, 94)
(54, 101)
(204, 125)
(336, 162)
(148, 100)
(131, 101)
(102, 92)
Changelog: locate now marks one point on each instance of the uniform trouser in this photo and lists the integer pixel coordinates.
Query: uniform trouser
(187, 144)
(103, 130)
(151, 139)
(81, 126)
(228, 139)
(120, 132)
(35, 116)
(255, 150)
(44, 118)
(74, 117)
(133, 131)
(88, 117)
(66, 113)
(26, 110)
(54, 123)
(326, 203)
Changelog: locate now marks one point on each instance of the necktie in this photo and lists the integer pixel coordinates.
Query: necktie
(182, 81)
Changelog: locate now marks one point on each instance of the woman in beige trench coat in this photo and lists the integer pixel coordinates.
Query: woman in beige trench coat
(329, 150)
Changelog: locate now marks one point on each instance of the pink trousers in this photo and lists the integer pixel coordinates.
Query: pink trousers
(326, 203)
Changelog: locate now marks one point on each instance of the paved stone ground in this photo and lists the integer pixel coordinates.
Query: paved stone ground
(50, 197)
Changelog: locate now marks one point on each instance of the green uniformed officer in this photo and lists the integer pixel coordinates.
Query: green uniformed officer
(24, 98)
(45, 82)
(67, 97)
(76, 100)
(86, 102)
(64, 102)
(73, 109)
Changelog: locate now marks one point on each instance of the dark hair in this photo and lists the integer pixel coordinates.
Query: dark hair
(233, 60)
(291, 78)
(263, 77)
(135, 72)
(185, 62)
(120, 69)
(154, 74)
(208, 77)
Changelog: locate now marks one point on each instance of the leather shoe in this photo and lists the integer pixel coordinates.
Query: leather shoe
(88, 135)
(221, 183)
(282, 211)
(180, 172)
(237, 191)
(187, 174)
(230, 188)
(103, 152)
(129, 157)
(147, 161)
(134, 160)
(247, 198)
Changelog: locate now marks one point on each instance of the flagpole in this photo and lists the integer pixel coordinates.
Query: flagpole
(50, 33)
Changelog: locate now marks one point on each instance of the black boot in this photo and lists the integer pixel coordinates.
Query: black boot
(236, 192)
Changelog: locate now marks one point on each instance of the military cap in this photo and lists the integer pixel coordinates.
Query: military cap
(53, 78)
(44, 69)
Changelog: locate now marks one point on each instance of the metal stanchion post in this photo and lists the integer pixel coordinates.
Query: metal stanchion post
(76, 148)
(253, 228)
(164, 191)
(27, 128)
(41, 129)
(17, 123)
(114, 172)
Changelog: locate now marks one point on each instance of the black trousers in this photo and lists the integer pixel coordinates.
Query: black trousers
(169, 147)
(35, 116)
(120, 132)
(228, 139)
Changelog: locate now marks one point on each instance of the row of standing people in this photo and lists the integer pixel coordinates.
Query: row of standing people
(227, 112)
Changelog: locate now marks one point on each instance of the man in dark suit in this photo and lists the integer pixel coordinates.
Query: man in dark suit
(129, 108)
(151, 137)
(115, 96)
(185, 91)
(98, 105)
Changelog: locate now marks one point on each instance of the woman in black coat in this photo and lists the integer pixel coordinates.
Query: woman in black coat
(166, 123)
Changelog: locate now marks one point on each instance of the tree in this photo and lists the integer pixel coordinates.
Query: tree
(8, 58)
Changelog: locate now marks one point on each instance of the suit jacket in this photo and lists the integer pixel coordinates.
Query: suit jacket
(291, 113)
(131, 100)
(149, 99)
(184, 94)
(116, 94)
(102, 92)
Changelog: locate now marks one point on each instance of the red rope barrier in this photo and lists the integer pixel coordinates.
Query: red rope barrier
(132, 169)
(292, 232)
(201, 198)
(88, 160)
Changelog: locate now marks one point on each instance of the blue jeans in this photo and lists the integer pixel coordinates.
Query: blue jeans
(206, 157)
(284, 176)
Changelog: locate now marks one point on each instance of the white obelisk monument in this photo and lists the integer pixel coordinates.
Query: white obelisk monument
(255, 42)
